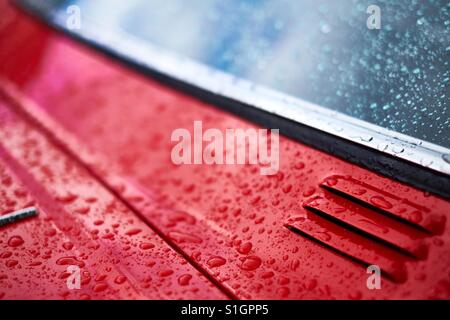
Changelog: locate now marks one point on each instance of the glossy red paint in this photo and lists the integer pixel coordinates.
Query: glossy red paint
(76, 124)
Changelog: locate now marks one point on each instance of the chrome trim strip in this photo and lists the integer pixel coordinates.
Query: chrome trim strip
(414, 150)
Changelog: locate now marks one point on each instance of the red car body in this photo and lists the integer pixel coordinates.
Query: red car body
(87, 141)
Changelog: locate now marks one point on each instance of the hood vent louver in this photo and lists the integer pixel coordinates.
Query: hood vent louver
(368, 225)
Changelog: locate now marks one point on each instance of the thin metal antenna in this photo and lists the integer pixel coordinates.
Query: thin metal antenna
(18, 215)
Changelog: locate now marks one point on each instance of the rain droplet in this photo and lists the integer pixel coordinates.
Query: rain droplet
(120, 279)
(446, 157)
(165, 273)
(184, 279)
(15, 241)
(251, 263)
(245, 248)
(380, 202)
(216, 261)
(71, 260)
(133, 232)
(184, 237)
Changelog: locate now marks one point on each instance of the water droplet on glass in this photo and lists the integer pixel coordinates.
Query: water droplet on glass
(446, 157)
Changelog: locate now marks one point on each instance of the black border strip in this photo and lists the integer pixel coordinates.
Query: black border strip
(287, 309)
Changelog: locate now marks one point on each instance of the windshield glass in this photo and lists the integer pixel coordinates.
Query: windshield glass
(388, 64)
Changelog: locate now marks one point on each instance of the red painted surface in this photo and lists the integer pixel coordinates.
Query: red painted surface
(75, 124)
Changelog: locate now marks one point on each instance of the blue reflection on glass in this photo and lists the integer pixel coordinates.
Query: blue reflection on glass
(321, 51)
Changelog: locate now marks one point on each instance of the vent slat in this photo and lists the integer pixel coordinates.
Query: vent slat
(350, 245)
(381, 228)
(387, 203)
